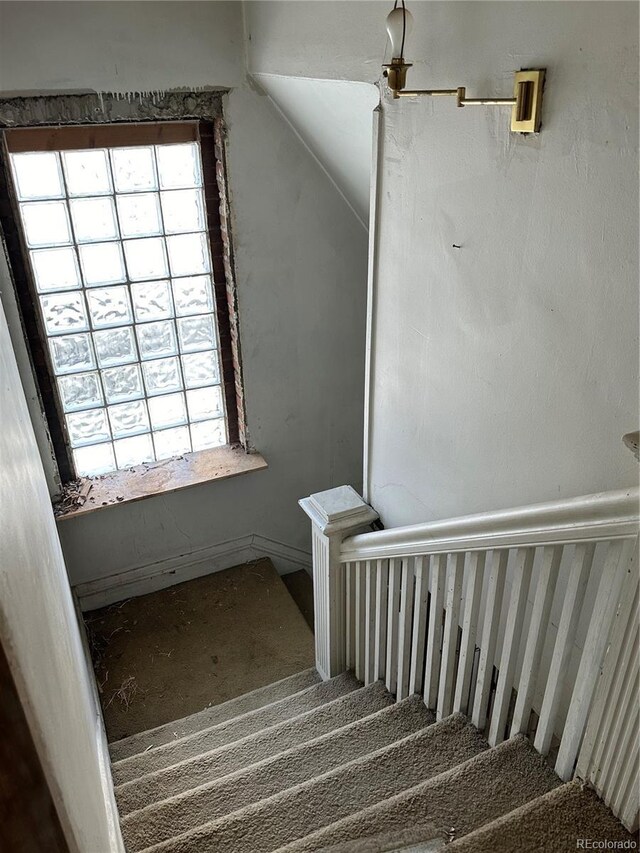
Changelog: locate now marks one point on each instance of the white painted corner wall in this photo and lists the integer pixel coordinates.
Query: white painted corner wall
(334, 120)
(505, 371)
(40, 635)
(301, 267)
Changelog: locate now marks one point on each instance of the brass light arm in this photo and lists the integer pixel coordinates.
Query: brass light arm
(488, 102)
(525, 104)
(434, 93)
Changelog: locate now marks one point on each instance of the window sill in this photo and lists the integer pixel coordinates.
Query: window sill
(157, 478)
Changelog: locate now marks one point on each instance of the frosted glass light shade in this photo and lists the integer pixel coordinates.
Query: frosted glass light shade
(399, 20)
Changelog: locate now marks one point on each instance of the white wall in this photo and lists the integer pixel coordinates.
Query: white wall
(334, 120)
(506, 371)
(301, 272)
(29, 386)
(39, 632)
(338, 40)
(301, 257)
(119, 47)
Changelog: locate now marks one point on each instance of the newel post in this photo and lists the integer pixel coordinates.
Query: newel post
(335, 514)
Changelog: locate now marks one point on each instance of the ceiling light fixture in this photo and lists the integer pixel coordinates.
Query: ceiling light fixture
(525, 104)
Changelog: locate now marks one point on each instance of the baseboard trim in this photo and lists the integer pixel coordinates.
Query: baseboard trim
(286, 558)
(164, 573)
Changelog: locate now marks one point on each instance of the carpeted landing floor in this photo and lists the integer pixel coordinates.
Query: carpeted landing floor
(169, 654)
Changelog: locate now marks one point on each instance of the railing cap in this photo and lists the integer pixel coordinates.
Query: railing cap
(607, 515)
(338, 509)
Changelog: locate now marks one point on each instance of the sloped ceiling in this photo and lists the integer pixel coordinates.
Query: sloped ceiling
(334, 120)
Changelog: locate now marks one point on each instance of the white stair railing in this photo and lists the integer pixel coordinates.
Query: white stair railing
(504, 616)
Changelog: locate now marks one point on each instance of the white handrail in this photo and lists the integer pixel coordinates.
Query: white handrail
(393, 604)
(606, 515)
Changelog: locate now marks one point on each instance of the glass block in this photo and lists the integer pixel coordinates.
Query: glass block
(133, 169)
(172, 442)
(64, 312)
(179, 165)
(188, 254)
(122, 383)
(37, 175)
(167, 411)
(182, 210)
(196, 333)
(81, 391)
(46, 223)
(55, 269)
(109, 306)
(87, 172)
(139, 214)
(146, 258)
(156, 339)
(151, 300)
(192, 295)
(101, 263)
(206, 434)
(71, 353)
(129, 418)
(93, 460)
(205, 403)
(201, 368)
(162, 376)
(134, 451)
(94, 219)
(115, 346)
(88, 427)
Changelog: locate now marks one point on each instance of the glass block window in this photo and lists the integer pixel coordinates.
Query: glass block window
(120, 256)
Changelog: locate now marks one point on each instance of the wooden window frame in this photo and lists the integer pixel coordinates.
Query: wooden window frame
(44, 124)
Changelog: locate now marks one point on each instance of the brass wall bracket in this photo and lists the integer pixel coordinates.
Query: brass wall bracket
(526, 103)
(525, 116)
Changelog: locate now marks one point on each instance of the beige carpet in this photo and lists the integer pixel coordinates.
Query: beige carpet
(204, 740)
(551, 824)
(224, 760)
(163, 656)
(161, 821)
(454, 803)
(370, 779)
(305, 766)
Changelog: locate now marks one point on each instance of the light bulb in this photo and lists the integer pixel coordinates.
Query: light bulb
(399, 25)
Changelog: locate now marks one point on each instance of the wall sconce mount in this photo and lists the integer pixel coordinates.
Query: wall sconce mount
(526, 103)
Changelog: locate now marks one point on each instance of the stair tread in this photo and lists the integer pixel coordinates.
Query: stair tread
(219, 762)
(232, 730)
(408, 840)
(547, 824)
(163, 820)
(289, 815)
(214, 715)
(495, 782)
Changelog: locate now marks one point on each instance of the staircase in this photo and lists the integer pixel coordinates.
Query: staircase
(312, 765)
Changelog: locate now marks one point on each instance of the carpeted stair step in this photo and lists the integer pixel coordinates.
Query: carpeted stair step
(213, 716)
(231, 730)
(219, 762)
(453, 804)
(163, 820)
(400, 841)
(551, 823)
(311, 805)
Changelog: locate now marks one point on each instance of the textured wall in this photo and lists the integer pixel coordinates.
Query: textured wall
(301, 257)
(39, 632)
(506, 371)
